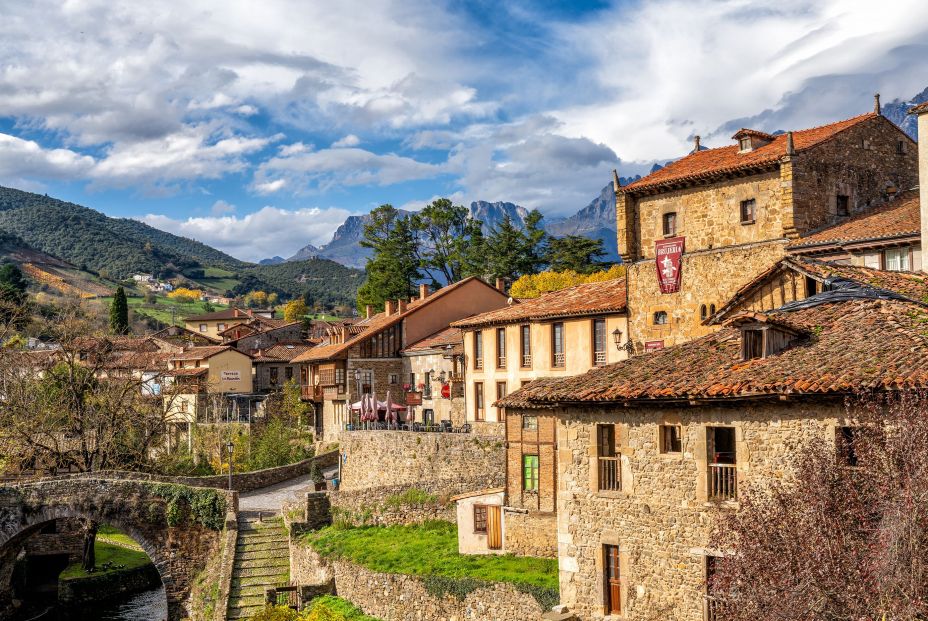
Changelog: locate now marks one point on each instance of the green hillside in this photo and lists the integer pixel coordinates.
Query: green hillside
(327, 282)
(88, 239)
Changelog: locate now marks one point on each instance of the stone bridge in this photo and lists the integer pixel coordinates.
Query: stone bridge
(178, 526)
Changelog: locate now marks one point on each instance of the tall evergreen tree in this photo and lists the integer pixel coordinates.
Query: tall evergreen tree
(394, 268)
(577, 253)
(513, 252)
(12, 284)
(119, 313)
(447, 233)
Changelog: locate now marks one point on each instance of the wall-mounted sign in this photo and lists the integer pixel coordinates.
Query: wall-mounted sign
(230, 376)
(413, 398)
(446, 391)
(650, 346)
(668, 254)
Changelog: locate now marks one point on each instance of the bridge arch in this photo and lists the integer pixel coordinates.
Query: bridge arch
(178, 552)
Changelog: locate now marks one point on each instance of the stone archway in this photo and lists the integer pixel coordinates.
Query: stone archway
(179, 552)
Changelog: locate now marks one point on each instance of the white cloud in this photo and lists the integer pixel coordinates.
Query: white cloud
(292, 149)
(221, 208)
(348, 141)
(246, 110)
(265, 233)
(24, 159)
(668, 69)
(269, 187)
(343, 167)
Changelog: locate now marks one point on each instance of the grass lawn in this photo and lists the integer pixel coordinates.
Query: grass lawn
(430, 549)
(339, 609)
(108, 534)
(162, 309)
(107, 552)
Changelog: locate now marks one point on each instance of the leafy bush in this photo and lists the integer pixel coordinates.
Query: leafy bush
(190, 505)
(411, 497)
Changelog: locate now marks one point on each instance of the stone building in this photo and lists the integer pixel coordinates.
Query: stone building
(212, 324)
(201, 376)
(434, 370)
(651, 449)
(718, 217)
(557, 334)
(274, 366)
(366, 358)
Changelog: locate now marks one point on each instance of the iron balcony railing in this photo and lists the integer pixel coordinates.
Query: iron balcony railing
(478, 363)
(526, 360)
(723, 481)
(560, 359)
(599, 358)
(501, 362)
(714, 609)
(610, 474)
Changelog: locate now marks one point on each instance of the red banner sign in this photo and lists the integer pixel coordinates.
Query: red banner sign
(668, 254)
(650, 346)
(446, 391)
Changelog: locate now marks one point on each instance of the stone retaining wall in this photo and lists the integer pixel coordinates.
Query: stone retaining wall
(398, 597)
(374, 459)
(531, 534)
(242, 482)
(92, 589)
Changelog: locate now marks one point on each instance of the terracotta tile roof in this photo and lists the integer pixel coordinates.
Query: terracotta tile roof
(711, 163)
(180, 331)
(200, 353)
(281, 352)
(853, 345)
(450, 336)
(897, 218)
(922, 107)
(744, 132)
(188, 372)
(229, 313)
(141, 361)
(593, 298)
(378, 322)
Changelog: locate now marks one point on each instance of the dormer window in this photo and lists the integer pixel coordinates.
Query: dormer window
(751, 139)
(752, 344)
(761, 340)
(745, 144)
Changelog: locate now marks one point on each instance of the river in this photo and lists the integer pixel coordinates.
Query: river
(145, 606)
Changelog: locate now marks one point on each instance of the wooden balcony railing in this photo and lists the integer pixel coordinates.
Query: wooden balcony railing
(599, 358)
(714, 609)
(560, 359)
(723, 482)
(501, 362)
(526, 360)
(478, 363)
(610, 474)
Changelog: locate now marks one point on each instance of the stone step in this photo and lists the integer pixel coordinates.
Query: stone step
(258, 555)
(257, 563)
(241, 612)
(264, 581)
(272, 547)
(266, 570)
(261, 539)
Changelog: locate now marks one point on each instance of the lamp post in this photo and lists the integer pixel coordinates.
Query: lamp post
(230, 447)
(617, 339)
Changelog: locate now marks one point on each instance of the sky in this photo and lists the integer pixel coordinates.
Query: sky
(258, 127)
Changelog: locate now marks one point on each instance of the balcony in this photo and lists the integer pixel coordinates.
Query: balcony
(599, 358)
(715, 609)
(527, 361)
(560, 359)
(723, 482)
(610, 474)
(501, 362)
(478, 363)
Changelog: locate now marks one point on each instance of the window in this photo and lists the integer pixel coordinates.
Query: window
(610, 479)
(670, 223)
(599, 342)
(203, 327)
(748, 209)
(721, 458)
(671, 439)
(274, 375)
(660, 318)
(500, 390)
(385, 344)
(714, 604)
(530, 473)
(220, 327)
(340, 376)
(612, 582)
(843, 205)
(412, 381)
(703, 313)
(478, 400)
(288, 373)
(427, 388)
(478, 349)
(394, 378)
(530, 423)
(557, 345)
(901, 147)
(845, 440)
(753, 344)
(811, 286)
(712, 309)
(501, 348)
(896, 259)
(525, 344)
(480, 519)
(744, 144)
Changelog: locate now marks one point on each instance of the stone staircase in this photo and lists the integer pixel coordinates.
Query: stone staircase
(262, 560)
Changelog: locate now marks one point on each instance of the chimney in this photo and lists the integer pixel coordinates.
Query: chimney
(423, 291)
(876, 104)
(501, 284)
(616, 184)
(368, 311)
(790, 148)
(696, 144)
(388, 307)
(401, 306)
(922, 112)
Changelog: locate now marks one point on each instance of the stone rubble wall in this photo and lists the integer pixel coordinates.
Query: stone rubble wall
(374, 459)
(531, 534)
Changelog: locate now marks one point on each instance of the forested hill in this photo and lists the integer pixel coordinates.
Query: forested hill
(86, 238)
(322, 280)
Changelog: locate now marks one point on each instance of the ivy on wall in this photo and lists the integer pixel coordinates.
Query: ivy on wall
(206, 507)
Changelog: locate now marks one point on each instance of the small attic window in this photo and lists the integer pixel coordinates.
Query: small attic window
(763, 340)
(744, 144)
(752, 343)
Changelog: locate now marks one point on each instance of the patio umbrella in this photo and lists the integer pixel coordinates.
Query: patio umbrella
(391, 415)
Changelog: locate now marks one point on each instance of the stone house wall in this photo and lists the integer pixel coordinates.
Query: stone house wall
(521, 442)
(417, 365)
(393, 458)
(662, 517)
(263, 381)
(530, 534)
(263, 340)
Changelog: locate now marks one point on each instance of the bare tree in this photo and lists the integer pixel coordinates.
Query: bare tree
(845, 537)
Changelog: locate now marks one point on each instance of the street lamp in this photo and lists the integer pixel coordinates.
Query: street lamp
(230, 447)
(617, 339)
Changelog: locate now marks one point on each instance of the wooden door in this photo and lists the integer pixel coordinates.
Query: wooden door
(494, 527)
(612, 583)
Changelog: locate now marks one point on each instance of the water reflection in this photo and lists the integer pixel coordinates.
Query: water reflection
(145, 606)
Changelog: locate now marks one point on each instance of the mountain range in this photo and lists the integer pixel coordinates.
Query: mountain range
(596, 221)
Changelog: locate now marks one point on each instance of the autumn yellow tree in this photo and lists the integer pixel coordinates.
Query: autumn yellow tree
(534, 285)
(184, 295)
(295, 310)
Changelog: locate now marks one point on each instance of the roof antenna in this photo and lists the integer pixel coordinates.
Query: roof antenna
(876, 104)
(790, 148)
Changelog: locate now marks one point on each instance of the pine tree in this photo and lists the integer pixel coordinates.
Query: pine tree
(119, 313)
(450, 241)
(394, 268)
(12, 284)
(577, 253)
(506, 247)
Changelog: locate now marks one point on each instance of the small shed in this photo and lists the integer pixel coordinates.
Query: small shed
(480, 521)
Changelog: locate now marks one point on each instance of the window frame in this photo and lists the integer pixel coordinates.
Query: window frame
(557, 345)
(479, 410)
(478, 508)
(599, 355)
(748, 208)
(660, 315)
(525, 346)
(842, 205)
(612, 562)
(753, 347)
(478, 350)
(667, 444)
(669, 223)
(525, 423)
(501, 348)
(530, 472)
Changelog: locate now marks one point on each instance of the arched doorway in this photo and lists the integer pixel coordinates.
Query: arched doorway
(41, 575)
